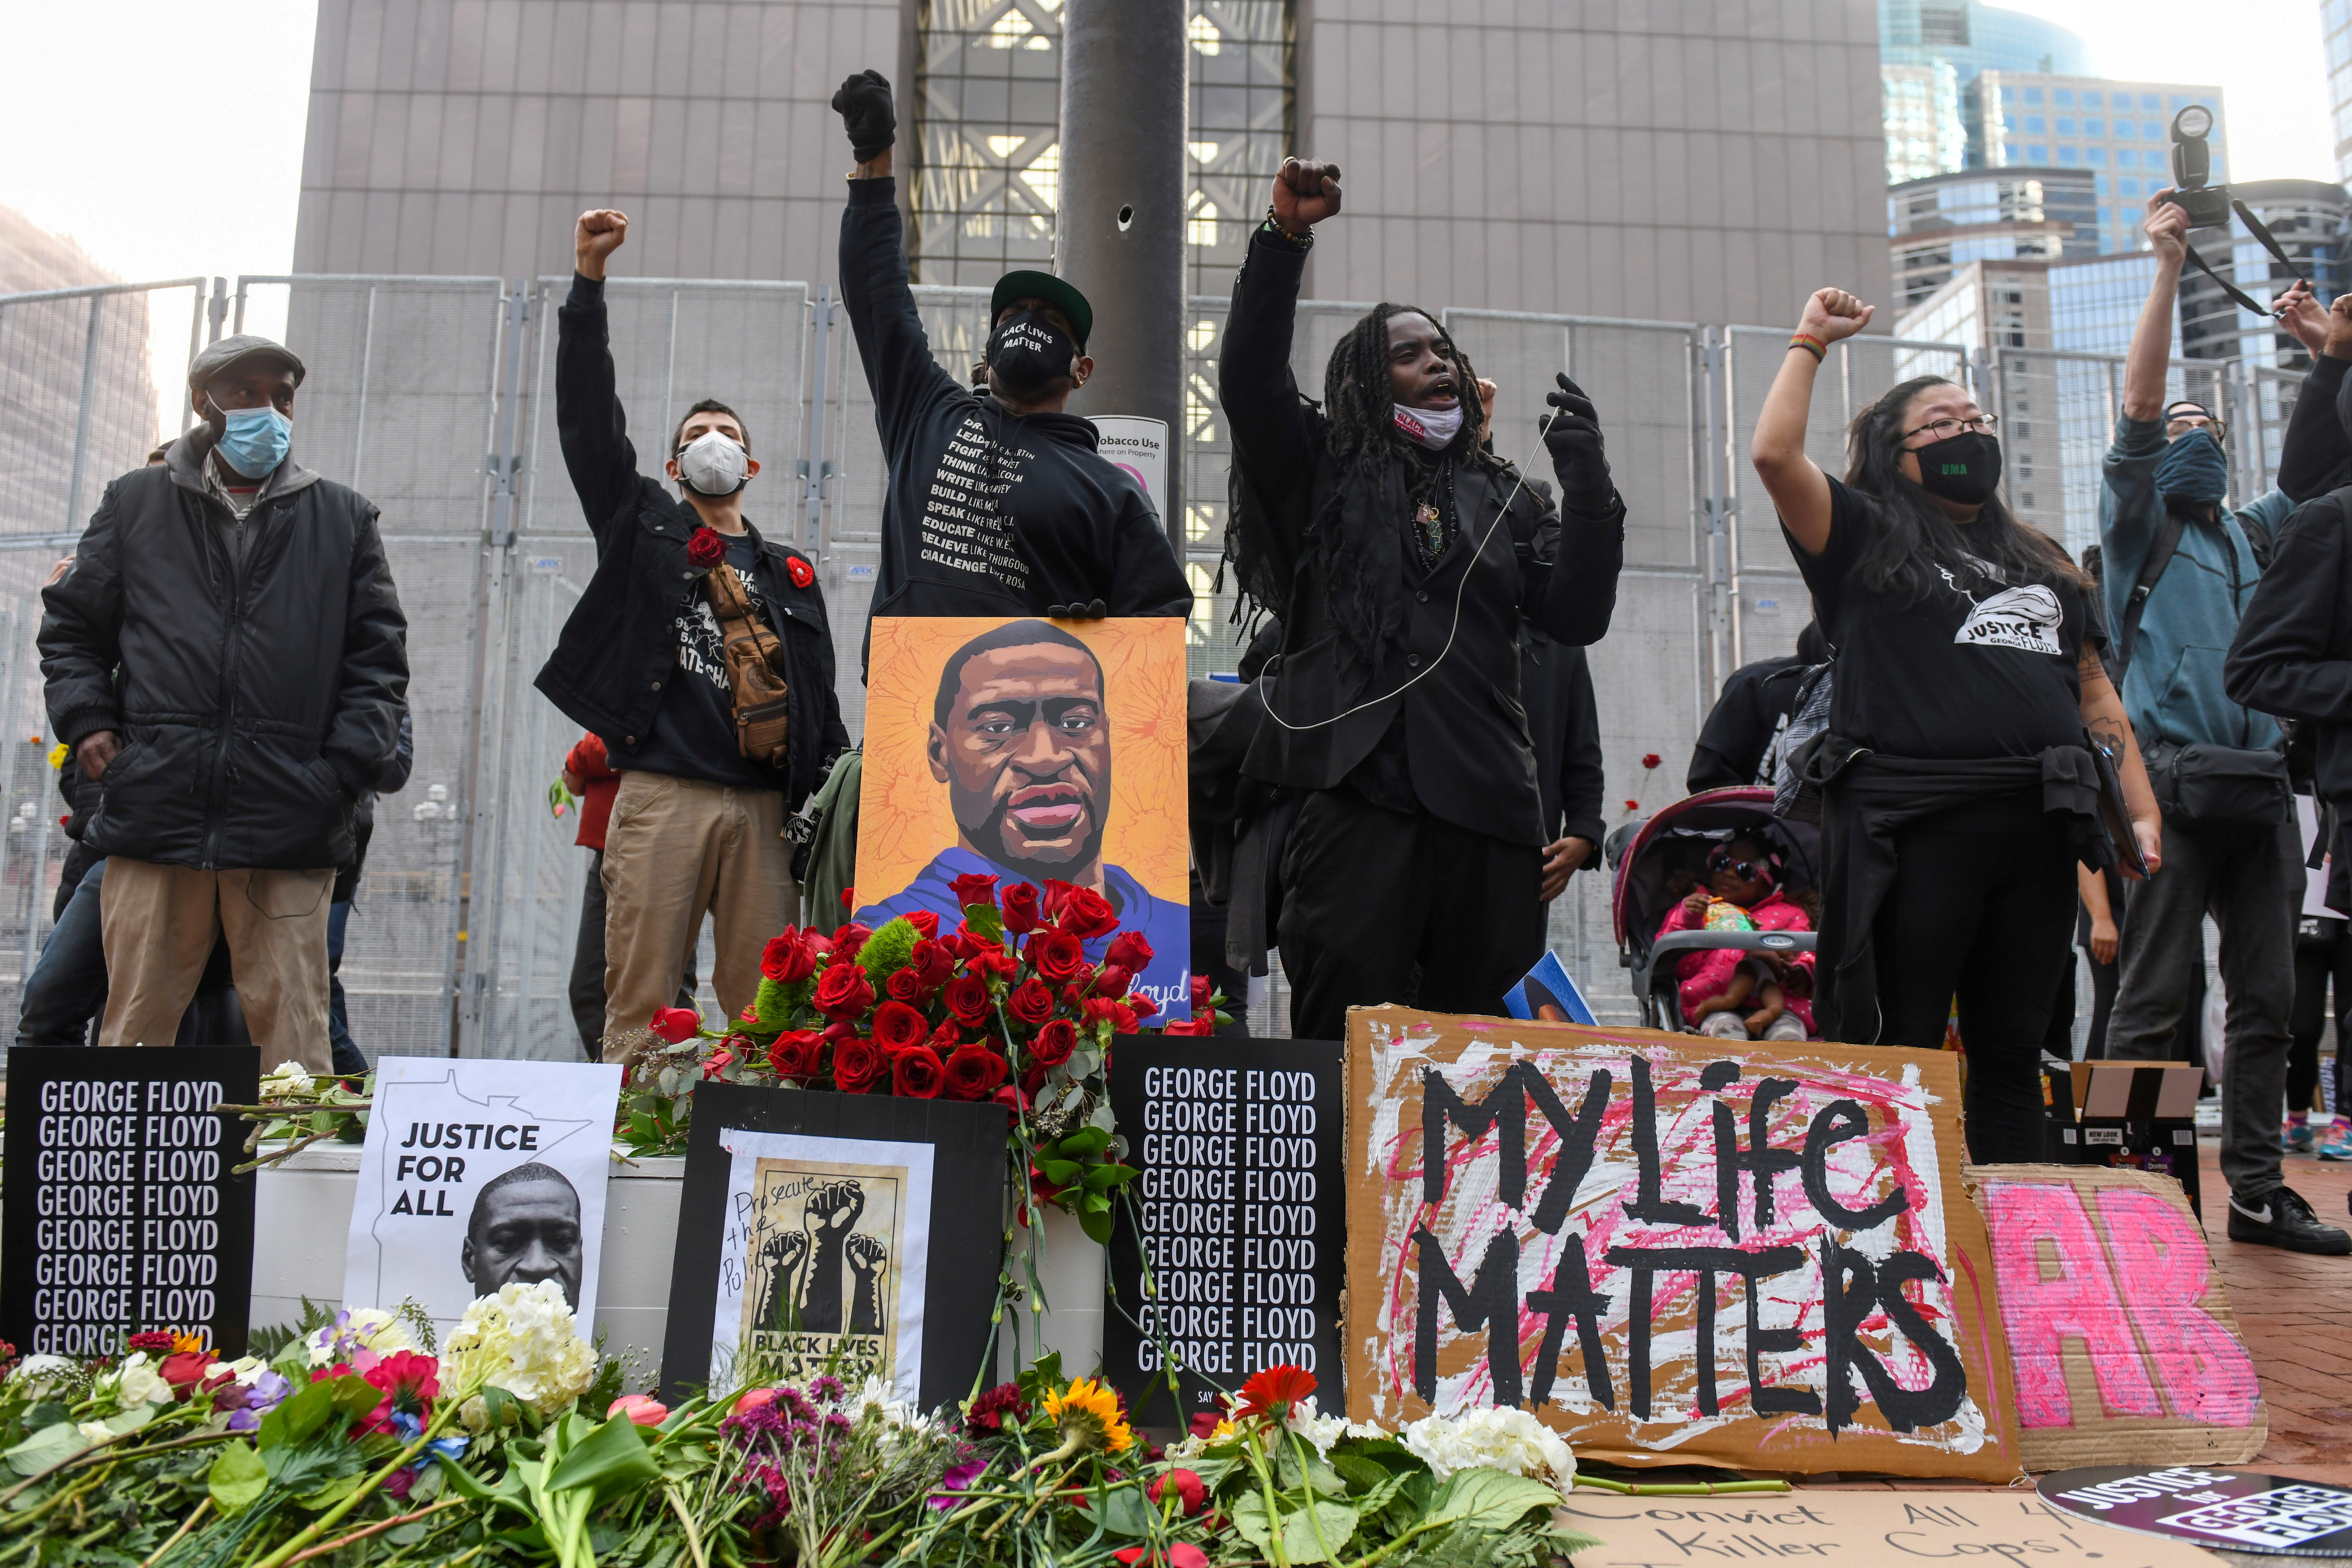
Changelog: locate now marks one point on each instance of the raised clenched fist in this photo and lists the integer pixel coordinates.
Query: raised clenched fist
(868, 114)
(790, 1251)
(1833, 313)
(599, 233)
(866, 1253)
(1304, 193)
(835, 1208)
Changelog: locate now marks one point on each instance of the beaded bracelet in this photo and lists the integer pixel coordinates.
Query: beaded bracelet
(1303, 241)
(1812, 345)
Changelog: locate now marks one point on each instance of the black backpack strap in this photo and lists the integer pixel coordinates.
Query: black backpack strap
(2159, 556)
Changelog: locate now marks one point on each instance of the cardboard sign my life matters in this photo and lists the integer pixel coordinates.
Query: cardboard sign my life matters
(1672, 1250)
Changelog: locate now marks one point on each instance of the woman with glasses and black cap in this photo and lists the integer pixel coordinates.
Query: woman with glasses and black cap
(1958, 789)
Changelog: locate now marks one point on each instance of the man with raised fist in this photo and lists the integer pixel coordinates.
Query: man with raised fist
(701, 656)
(998, 503)
(1406, 552)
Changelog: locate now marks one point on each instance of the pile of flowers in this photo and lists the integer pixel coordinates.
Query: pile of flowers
(1006, 1008)
(354, 1441)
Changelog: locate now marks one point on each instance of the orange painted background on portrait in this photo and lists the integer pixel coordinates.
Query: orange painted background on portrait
(903, 819)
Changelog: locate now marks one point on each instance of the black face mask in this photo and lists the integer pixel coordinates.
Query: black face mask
(1965, 468)
(1029, 353)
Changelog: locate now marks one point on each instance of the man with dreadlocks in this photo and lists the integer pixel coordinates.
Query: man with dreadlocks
(1399, 552)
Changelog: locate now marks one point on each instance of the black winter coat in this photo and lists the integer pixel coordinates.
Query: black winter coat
(619, 647)
(255, 701)
(2292, 657)
(1472, 761)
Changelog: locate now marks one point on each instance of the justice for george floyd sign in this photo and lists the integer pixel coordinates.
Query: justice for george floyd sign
(1241, 1211)
(122, 1215)
(1671, 1250)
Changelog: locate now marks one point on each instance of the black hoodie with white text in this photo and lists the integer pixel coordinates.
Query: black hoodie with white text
(988, 512)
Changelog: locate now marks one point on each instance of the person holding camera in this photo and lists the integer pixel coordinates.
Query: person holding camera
(1957, 787)
(2179, 574)
(1401, 553)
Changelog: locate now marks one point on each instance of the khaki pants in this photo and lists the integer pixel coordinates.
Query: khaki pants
(678, 849)
(159, 923)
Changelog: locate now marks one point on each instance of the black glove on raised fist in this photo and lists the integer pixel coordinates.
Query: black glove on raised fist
(1574, 434)
(866, 113)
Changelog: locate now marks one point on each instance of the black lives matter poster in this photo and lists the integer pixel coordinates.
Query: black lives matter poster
(121, 1213)
(1241, 1209)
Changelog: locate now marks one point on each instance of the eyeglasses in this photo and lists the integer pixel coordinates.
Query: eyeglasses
(1745, 869)
(2182, 426)
(1945, 429)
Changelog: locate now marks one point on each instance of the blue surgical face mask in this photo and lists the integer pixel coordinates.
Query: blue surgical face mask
(257, 441)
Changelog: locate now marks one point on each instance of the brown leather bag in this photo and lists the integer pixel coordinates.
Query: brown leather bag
(754, 669)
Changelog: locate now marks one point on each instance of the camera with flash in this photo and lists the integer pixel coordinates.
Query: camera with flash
(2208, 205)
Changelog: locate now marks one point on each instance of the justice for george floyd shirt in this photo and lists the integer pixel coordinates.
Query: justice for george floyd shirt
(1977, 667)
(693, 734)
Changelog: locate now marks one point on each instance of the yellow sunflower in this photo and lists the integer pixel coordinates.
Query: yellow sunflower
(1089, 1417)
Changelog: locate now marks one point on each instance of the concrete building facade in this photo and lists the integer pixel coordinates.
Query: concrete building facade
(1682, 160)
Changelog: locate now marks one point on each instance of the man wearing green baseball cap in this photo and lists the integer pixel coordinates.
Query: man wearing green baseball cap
(998, 503)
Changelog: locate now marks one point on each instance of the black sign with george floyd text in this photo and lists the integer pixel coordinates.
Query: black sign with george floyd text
(1241, 1209)
(122, 1215)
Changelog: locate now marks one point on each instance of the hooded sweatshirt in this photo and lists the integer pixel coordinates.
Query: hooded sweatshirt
(988, 512)
(2172, 688)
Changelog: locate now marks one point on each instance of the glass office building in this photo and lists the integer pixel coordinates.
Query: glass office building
(1939, 225)
(2335, 39)
(2116, 132)
(1928, 54)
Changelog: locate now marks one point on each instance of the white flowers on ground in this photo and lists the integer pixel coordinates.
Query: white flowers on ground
(523, 1340)
(289, 1082)
(1509, 1440)
(43, 1372)
(358, 1329)
(1322, 1431)
(140, 1382)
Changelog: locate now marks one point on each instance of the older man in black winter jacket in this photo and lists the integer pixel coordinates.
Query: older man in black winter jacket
(228, 660)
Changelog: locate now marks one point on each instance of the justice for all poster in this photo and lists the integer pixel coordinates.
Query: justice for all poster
(478, 1173)
(1031, 751)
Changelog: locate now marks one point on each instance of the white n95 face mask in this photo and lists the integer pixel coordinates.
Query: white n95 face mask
(713, 464)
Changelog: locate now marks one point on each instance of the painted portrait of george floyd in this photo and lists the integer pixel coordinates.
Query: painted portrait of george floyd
(1031, 751)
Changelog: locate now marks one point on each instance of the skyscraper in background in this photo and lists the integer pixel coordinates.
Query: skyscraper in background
(2118, 132)
(1928, 55)
(2336, 38)
(1942, 223)
(2307, 218)
(1661, 163)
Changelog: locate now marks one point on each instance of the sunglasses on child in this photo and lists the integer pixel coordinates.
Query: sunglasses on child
(1744, 868)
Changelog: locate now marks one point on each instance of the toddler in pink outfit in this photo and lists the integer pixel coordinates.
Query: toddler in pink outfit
(1717, 985)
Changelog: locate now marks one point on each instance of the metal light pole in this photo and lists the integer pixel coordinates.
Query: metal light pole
(1119, 230)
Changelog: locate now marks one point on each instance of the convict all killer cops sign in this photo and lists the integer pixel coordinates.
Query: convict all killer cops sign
(1233, 1256)
(123, 1216)
(1672, 1250)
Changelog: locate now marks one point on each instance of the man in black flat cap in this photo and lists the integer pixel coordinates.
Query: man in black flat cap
(998, 503)
(227, 657)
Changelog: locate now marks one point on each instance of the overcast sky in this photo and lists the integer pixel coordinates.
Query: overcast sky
(2264, 55)
(167, 138)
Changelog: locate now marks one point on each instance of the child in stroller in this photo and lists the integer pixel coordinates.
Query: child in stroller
(1717, 985)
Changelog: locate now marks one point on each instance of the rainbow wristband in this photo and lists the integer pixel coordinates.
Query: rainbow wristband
(1812, 345)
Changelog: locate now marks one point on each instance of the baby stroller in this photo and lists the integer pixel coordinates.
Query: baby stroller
(1644, 856)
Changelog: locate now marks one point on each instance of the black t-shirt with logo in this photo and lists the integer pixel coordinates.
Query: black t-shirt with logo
(694, 729)
(1974, 668)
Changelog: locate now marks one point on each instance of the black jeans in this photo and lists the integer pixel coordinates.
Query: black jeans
(2250, 881)
(2319, 960)
(1985, 916)
(1369, 894)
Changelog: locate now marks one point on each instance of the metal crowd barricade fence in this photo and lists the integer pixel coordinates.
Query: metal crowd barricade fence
(433, 396)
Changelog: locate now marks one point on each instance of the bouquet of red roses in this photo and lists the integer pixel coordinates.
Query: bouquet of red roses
(1005, 1007)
